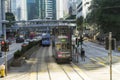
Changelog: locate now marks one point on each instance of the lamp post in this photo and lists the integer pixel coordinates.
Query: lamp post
(3, 21)
(5, 58)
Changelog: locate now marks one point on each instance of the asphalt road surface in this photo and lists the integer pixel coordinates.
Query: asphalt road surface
(42, 66)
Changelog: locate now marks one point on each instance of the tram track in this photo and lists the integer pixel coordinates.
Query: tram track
(71, 72)
(68, 71)
(23, 73)
(47, 60)
(44, 67)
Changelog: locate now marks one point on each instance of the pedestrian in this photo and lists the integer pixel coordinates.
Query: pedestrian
(83, 54)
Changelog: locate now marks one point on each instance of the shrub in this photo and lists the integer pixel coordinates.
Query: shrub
(17, 54)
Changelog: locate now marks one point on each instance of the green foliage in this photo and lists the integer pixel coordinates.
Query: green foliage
(24, 49)
(71, 17)
(105, 13)
(17, 54)
(10, 17)
(79, 22)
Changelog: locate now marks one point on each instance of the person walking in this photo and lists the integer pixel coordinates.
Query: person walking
(83, 54)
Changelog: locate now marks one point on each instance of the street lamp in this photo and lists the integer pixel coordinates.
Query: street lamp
(4, 32)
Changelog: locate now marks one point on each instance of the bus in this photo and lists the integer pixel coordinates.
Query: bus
(46, 39)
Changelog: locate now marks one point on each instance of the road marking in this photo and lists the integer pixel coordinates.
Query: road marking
(105, 65)
(77, 68)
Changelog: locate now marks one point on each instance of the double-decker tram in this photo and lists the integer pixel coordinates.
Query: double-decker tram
(61, 45)
(62, 49)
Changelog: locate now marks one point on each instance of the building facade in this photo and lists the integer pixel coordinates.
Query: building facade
(72, 7)
(19, 9)
(62, 8)
(42, 9)
(82, 8)
(51, 9)
(32, 11)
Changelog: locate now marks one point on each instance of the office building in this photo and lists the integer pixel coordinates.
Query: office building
(42, 9)
(62, 8)
(32, 9)
(19, 9)
(51, 9)
(72, 7)
(82, 8)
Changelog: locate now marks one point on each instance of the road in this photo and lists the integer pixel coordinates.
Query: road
(12, 48)
(97, 62)
(42, 66)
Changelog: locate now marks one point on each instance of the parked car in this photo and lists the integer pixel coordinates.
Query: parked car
(27, 40)
(19, 40)
(24, 44)
(0, 54)
(9, 42)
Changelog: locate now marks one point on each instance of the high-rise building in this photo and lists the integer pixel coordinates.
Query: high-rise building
(32, 7)
(42, 9)
(19, 9)
(51, 9)
(13, 8)
(72, 7)
(62, 8)
(82, 8)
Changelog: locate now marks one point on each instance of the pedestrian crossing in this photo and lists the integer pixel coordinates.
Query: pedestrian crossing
(105, 60)
(98, 62)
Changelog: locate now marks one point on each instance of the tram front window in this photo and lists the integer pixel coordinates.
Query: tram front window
(62, 47)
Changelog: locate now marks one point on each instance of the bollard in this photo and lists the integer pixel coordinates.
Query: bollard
(2, 70)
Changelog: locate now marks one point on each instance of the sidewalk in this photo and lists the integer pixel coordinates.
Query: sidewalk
(101, 44)
(22, 72)
(18, 73)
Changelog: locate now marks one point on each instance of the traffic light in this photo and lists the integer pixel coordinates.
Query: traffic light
(81, 40)
(4, 46)
(113, 44)
(107, 43)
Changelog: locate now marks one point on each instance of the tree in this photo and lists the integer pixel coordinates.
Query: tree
(105, 13)
(79, 22)
(10, 17)
(71, 17)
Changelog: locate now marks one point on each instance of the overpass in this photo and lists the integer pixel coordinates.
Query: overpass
(43, 24)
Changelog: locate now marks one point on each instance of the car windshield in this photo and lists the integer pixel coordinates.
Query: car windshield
(45, 38)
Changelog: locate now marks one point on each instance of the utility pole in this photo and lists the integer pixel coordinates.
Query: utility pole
(110, 54)
(5, 52)
(4, 32)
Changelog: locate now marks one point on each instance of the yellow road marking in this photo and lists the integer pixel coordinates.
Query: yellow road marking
(80, 72)
(104, 65)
